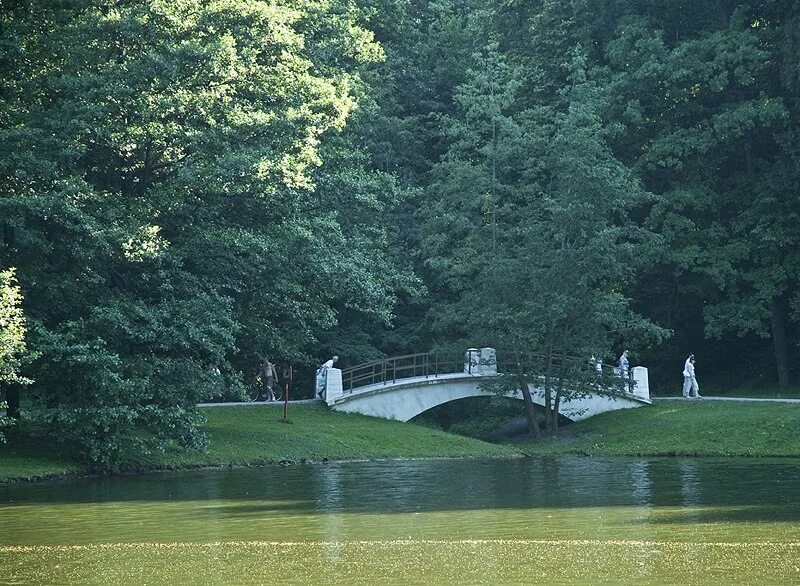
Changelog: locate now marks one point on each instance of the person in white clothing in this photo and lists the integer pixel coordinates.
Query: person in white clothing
(597, 364)
(322, 375)
(690, 379)
(623, 365)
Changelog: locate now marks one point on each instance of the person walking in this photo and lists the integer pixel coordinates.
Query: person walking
(624, 365)
(269, 376)
(690, 379)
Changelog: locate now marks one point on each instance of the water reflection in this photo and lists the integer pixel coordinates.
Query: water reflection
(641, 483)
(330, 501)
(468, 521)
(536, 497)
(690, 483)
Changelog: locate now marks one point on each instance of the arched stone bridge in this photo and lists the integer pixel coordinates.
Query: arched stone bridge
(403, 387)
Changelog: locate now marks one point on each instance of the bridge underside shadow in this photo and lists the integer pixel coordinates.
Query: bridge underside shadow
(405, 399)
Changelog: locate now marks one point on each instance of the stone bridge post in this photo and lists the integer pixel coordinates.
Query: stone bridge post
(488, 361)
(333, 385)
(481, 362)
(641, 381)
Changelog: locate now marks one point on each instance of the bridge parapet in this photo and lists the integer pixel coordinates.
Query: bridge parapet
(641, 382)
(481, 362)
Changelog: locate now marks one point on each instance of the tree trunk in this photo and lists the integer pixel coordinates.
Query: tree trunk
(12, 398)
(548, 394)
(778, 319)
(530, 414)
(557, 405)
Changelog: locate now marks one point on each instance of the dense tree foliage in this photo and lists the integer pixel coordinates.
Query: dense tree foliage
(12, 327)
(12, 344)
(701, 108)
(187, 187)
(709, 111)
(158, 198)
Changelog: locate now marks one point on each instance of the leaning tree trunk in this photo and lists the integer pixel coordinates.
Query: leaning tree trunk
(530, 414)
(778, 319)
(557, 405)
(548, 393)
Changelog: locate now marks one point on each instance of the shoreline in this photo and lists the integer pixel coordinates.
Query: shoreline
(326, 461)
(273, 464)
(241, 437)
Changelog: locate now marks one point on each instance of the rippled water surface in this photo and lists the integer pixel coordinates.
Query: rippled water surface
(537, 520)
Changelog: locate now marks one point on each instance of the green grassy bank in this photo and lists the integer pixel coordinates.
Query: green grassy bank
(683, 428)
(257, 435)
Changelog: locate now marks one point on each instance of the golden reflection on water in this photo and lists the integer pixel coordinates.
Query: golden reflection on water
(474, 561)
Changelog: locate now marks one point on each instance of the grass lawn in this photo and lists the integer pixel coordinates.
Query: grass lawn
(256, 435)
(754, 392)
(683, 428)
(22, 457)
(247, 435)
(759, 393)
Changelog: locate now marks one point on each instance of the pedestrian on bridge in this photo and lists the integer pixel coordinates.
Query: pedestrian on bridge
(623, 365)
(690, 379)
(322, 375)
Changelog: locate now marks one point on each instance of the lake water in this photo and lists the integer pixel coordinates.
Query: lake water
(533, 520)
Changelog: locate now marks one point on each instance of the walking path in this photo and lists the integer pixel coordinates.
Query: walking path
(262, 403)
(320, 401)
(742, 399)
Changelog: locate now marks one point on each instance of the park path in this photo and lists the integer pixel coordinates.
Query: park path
(262, 403)
(320, 401)
(741, 399)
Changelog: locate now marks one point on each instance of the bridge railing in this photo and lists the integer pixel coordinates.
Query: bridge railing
(558, 361)
(429, 364)
(389, 370)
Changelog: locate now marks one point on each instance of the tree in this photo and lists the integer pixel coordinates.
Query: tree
(159, 200)
(710, 123)
(12, 343)
(535, 243)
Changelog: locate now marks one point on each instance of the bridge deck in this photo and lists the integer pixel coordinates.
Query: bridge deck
(434, 379)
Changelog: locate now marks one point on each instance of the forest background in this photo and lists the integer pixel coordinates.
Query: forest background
(187, 187)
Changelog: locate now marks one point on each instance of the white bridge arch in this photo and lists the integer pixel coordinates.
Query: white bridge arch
(403, 387)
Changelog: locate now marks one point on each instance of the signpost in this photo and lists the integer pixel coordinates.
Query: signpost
(287, 377)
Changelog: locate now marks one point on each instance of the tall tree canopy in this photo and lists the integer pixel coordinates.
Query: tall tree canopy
(702, 108)
(157, 192)
(187, 187)
(709, 108)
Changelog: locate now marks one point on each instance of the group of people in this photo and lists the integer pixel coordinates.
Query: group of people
(269, 377)
(691, 388)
